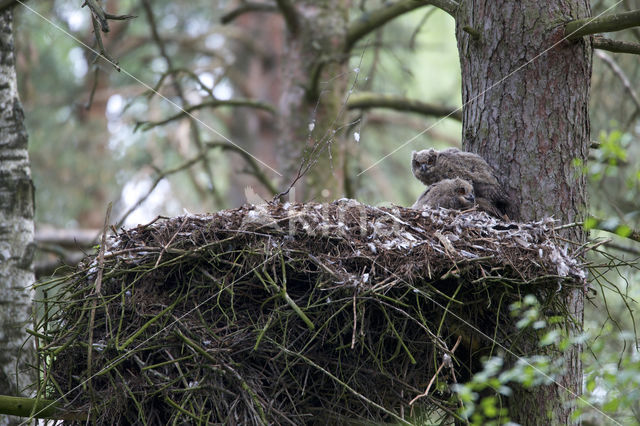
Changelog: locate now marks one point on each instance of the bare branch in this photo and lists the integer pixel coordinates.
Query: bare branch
(366, 100)
(247, 8)
(617, 46)
(373, 20)
(621, 76)
(195, 131)
(69, 238)
(625, 249)
(187, 164)
(119, 17)
(102, 51)
(579, 28)
(98, 13)
(102, 16)
(289, 14)
(185, 112)
(257, 171)
(623, 231)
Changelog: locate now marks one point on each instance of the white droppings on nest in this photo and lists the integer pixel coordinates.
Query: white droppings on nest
(258, 215)
(468, 254)
(559, 259)
(522, 241)
(408, 236)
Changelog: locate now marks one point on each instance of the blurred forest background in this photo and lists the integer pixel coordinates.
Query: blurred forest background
(96, 135)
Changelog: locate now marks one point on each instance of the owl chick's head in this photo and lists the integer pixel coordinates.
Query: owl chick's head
(422, 165)
(451, 194)
(462, 193)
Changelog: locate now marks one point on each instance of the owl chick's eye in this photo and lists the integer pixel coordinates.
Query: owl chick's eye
(431, 160)
(462, 191)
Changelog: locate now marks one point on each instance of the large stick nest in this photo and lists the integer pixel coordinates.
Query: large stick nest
(291, 313)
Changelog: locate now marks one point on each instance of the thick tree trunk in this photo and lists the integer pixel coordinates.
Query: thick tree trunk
(526, 94)
(309, 113)
(16, 225)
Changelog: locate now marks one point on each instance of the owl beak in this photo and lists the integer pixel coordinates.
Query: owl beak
(470, 198)
(424, 167)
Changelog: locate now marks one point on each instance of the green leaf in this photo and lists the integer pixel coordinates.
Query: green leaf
(590, 223)
(611, 405)
(623, 231)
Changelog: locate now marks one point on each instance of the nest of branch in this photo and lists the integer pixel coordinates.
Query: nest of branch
(290, 313)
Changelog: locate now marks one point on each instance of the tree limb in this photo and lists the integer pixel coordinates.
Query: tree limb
(187, 164)
(621, 76)
(366, 100)
(371, 21)
(37, 408)
(617, 46)
(289, 14)
(208, 104)
(102, 50)
(247, 8)
(579, 28)
(69, 238)
(102, 16)
(257, 172)
(620, 230)
(195, 131)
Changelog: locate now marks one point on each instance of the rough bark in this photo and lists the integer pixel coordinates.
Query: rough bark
(16, 225)
(309, 114)
(526, 97)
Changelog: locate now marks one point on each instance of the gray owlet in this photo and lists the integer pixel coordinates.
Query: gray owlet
(449, 193)
(430, 166)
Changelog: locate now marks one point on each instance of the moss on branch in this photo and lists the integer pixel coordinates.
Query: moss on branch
(36, 408)
(574, 30)
(617, 46)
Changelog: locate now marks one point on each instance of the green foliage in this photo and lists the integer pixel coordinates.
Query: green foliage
(481, 396)
(612, 378)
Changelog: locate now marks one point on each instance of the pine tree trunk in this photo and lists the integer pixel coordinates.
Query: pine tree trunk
(526, 96)
(309, 114)
(16, 225)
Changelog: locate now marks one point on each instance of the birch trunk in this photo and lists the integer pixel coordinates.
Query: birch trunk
(16, 226)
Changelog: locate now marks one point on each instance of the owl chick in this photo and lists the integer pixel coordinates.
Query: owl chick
(448, 193)
(430, 166)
